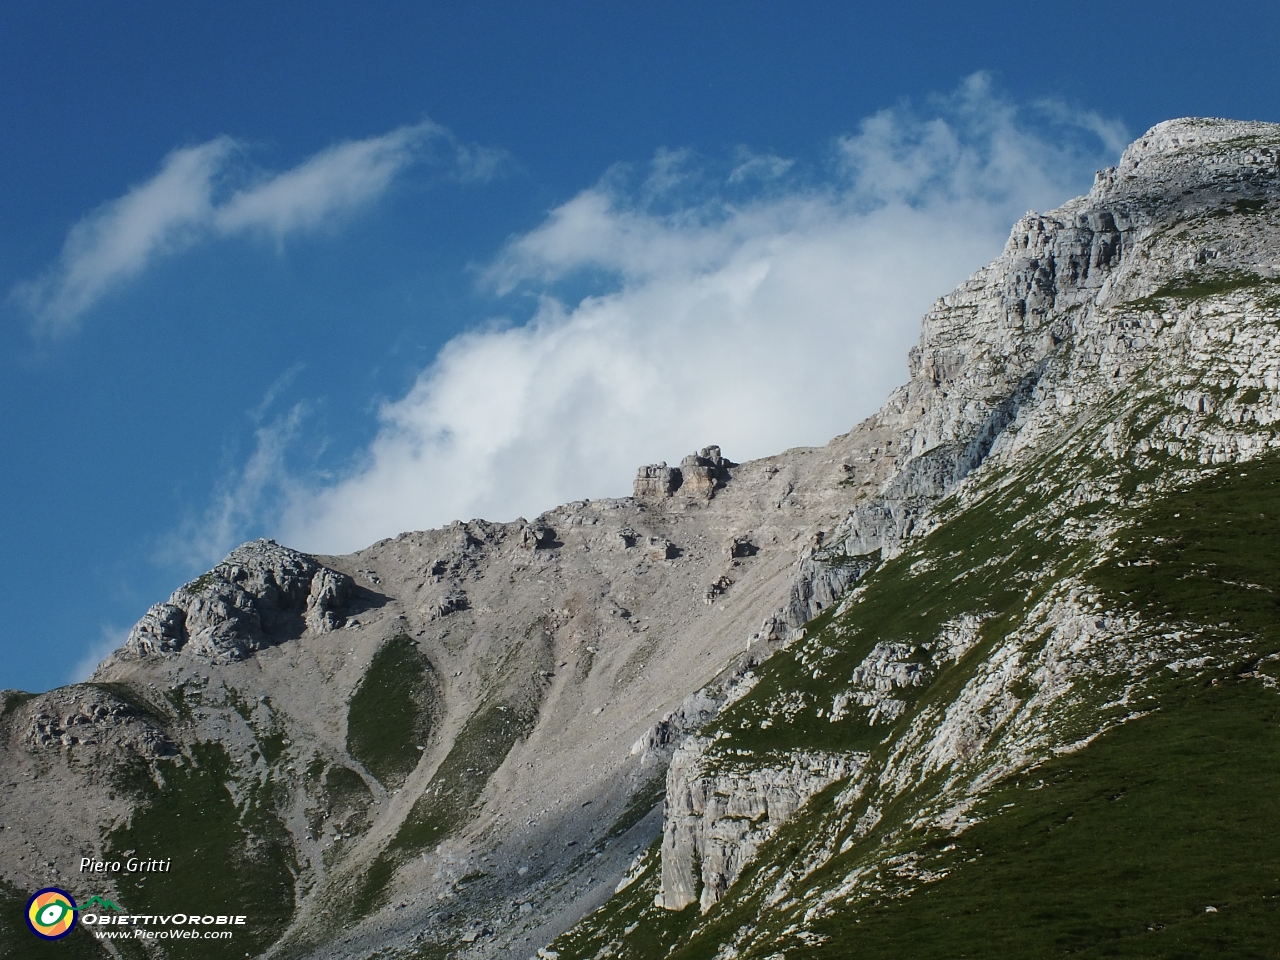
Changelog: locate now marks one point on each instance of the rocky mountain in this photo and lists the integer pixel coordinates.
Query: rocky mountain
(993, 674)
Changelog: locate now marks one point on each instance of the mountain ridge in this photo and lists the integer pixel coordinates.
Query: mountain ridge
(554, 679)
(1057, 670)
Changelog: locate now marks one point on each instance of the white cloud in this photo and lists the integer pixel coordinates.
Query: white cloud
(188, 201)
(336, 180)
(757, 322)
(117, 241)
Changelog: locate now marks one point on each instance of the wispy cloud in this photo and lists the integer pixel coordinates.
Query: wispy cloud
(244, 496)
(209, 191)
(756, 318)
(117, 241)
(976, 148)
(335, 181)
(758, 166)
(109, 640)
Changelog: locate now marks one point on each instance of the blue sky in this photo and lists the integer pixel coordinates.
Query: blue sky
(327, 271)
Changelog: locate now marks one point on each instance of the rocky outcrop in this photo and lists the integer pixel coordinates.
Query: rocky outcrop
(660, 548)
(718, 815)
(704, 472)
(660, 740)
(535, 536)
(720, 810)
(90, 716)
(657, 480)
(699, 475)
(820, 578)
(261, 595)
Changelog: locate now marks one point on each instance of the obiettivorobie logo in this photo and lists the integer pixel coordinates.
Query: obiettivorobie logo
(51, 913)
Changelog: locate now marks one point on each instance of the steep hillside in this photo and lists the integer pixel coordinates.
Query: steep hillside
(1045, 724)
(1035, 706)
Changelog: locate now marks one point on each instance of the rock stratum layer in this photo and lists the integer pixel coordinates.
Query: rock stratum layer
(863, 676)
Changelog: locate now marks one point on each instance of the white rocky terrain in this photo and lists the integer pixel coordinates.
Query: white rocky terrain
(457, 742)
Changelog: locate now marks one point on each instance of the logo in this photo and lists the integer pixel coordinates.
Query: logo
(51, 913)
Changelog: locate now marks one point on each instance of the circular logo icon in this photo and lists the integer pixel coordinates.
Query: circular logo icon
(51, 913)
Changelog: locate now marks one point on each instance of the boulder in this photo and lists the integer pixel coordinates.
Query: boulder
(661, 549)
(536, 536)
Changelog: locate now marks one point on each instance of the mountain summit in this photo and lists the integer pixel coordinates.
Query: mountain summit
(993, 674)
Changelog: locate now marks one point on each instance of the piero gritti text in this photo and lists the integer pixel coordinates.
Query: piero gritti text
(131, 865)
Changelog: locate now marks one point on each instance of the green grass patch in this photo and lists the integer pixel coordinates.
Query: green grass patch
(224, 860)
(446, 804)
(372, 890)
(1238, 208)
(177, 698)
(1113, 851)
(481, 747)
(272, 746)
(1197, 286)
(1208, 554)
(201, 583)
(268, 735)
(393, 711)
(1250, 396)
(14, 699)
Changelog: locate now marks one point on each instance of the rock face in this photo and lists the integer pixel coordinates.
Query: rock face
(536, 536)
(657, 480)
(704, 472)
(718, 816)
(93, 717)
(699, 475)
(261, 594)
(551, 672)
(720, 810)
(659, 741)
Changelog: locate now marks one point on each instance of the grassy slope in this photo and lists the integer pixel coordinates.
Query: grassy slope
(1118, 850)
(224, 860)
(391, 714)
(1153, 822)
(1114, 851)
